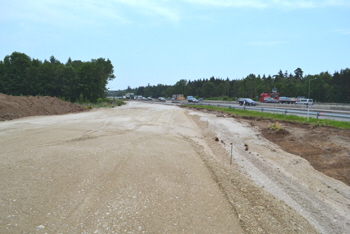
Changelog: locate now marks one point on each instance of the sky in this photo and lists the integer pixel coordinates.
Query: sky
(151, 42)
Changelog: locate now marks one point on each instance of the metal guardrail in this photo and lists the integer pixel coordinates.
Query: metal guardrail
(283, 111)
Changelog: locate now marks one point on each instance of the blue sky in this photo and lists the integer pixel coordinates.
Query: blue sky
(162, 41)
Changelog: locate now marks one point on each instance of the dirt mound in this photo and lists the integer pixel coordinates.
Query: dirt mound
(13, 107)
(326, 148)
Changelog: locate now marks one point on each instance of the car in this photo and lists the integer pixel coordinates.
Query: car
(192, 100)
(149, 99)
(143, 98)
(305, 102)
(161, 99)
(247, 102)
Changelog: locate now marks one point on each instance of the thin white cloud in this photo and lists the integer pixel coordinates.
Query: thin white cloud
(342, 31)
(297, 4)
(230, 3)
(95, 12)
(88, 12)
(270, 3)
(161, 8)
(61, 12)
(266, 43)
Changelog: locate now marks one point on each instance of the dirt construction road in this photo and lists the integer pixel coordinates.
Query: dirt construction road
(150, 168)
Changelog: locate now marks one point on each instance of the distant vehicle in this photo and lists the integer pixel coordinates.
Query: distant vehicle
(247, 102)
(178, 97)
(161, 99)
(267, 97)
(287, 100)
(275, 98)
(149, 99)
(305, 102)
(143, 98)
(270, 100)
(189, 98)
(193, 100)
(129, 95)
(200, 99)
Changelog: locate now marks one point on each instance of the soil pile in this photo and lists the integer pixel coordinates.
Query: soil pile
(13, 107)
(327, 149)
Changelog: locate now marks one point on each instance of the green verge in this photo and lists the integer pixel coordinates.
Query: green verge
(103, 104)
(280, 117)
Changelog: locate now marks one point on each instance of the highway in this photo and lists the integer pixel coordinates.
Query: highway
(320, 111)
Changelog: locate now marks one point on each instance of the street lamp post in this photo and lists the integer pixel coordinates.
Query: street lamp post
(309, 86)
(308, 105)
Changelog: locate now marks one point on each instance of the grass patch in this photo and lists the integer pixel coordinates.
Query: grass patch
(103, 104)
(276, 127)
(280, 117)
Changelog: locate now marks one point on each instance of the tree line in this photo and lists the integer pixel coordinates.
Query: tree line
(72, 81)
(87, 81)
(323, 87)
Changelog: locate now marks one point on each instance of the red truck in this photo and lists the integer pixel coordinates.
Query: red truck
(275, 98)
(269, 97)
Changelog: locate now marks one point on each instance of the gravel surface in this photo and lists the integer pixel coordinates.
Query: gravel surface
(322, 200)
(148, 168)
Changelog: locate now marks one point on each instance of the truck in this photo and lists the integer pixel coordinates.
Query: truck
(269, 97)
(129, 95)
(178, 97)
(275, 98)
(287, 100)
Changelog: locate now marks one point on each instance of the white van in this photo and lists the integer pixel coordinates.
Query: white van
(304, 102)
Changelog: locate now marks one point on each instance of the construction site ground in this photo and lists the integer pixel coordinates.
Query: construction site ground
(153, 168)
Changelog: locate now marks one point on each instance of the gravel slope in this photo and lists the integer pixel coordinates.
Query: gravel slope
(322, 200)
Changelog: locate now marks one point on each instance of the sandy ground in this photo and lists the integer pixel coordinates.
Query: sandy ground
(149, 168)
(322, 200)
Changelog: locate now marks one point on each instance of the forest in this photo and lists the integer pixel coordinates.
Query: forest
(86, 81)
(72, 81)
(323, 87)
